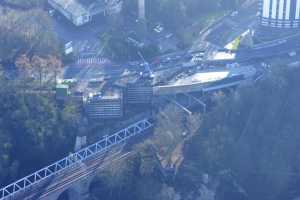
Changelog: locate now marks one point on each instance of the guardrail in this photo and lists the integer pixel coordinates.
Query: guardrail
(86, 153)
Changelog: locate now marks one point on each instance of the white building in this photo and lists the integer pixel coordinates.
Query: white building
(80, 12)
(280, 13)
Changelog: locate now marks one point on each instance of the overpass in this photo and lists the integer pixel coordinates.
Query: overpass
(51, 181)
(198, 87)
(207, 81)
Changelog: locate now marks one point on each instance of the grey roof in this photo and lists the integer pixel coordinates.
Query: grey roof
(76, 7)
(71, 6)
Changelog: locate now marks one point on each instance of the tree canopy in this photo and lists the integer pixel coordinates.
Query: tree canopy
(26, 32)
(254, 135)
(33, 129)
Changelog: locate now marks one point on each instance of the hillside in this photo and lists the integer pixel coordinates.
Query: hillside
(246, 148)
(34, 130)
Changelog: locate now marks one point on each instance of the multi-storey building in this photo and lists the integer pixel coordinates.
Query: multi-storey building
(280, 13)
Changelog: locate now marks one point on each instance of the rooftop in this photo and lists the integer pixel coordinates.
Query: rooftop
(72, 6)
(202, 77)
(78, 7)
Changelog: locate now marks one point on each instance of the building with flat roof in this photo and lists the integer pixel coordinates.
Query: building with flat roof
(73, 10)
(105, 105)
(80, 12)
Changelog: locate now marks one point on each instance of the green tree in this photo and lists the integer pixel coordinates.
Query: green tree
(33, 130)
(26, 33)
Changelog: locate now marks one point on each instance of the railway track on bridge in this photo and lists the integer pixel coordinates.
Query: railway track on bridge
(73, 167)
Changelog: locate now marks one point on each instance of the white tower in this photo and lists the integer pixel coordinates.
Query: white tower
(280, 13)
(142, 11)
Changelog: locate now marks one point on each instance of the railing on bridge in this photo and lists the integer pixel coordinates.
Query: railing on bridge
(75, 158)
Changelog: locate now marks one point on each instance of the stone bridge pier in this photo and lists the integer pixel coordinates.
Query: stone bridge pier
(186, 100)
(74, 173)
(77, 187)
(76, 183)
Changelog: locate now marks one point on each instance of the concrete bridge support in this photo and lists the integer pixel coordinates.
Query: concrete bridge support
(185, 101)
(74, 173)
(80, 190)
(77, 191)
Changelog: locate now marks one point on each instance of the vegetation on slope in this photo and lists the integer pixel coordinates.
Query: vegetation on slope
(145, 173)
(246, 148)
(254, 136)
(33, 129)
(26, 33)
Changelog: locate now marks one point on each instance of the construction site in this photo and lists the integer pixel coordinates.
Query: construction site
(110, 96)
(108, 90)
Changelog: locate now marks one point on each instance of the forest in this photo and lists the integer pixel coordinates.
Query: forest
(34, 129)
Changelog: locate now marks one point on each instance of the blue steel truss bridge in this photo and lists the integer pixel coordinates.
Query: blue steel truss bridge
(50, 181)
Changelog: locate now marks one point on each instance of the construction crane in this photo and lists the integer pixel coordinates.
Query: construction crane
(147, 72)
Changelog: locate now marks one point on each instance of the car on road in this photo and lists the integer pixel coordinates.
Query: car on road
(135, 42)
(169, 35)
(199, 54)
(158, 28)
(69, 48)
(51, 12)
(234, 13)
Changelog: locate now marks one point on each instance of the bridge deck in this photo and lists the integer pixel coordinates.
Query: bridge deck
(71, 162)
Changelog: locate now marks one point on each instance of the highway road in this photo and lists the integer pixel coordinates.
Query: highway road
(270, 49)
